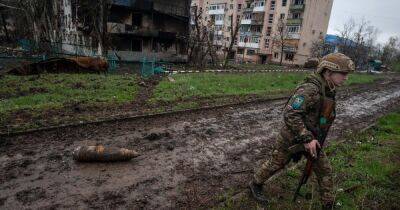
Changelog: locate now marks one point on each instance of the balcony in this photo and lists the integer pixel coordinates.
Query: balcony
(259, 9)
(218, 42)
(116, 28)
(289, 49)
(249, 45)
(216, 12)
(257, 22)
(297, 21)
(219, 32)
(219, 22)
(293, 36)
(297, 7)
(248, 10)
(245, 22)
(124, 3)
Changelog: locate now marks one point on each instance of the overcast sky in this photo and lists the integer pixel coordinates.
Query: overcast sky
(383, 14)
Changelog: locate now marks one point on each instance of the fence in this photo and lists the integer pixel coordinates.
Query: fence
(27, 52)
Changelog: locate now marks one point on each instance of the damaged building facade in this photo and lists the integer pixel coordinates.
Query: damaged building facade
(154, 29)
(130, 29)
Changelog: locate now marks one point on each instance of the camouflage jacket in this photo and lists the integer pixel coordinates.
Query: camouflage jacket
(302, 113)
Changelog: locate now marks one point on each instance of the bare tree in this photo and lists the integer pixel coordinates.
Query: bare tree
(234, 29)
(280, 37)
(200, 40)
(391, 51)
(357, 40)
(319, 48)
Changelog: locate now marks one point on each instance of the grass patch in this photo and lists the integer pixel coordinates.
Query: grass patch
(396, 66)
(56, 91)
(366, 168)
(207, 85)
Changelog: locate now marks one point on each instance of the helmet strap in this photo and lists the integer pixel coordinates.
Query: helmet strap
(329, 82)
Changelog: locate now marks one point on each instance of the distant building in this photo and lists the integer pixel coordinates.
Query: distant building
(305, 22)
(334, 42)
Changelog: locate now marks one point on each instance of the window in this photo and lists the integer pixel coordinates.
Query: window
(282, 16)
(216, 6)
(256, 29)
(255, 39)
(247, 16)
(250, 52)
(269, 30)
(218, 28)
(267, 43)
(293, 29)
(259, 4)
(276, 55)
(231, 6)
(271, 18)
(296, 15)
(272, 5)
(219, 37)
(219, 17)
(284, 3)
(239, 7)
(297, 2)
(240, 51)
(242, 39)
(289, 56)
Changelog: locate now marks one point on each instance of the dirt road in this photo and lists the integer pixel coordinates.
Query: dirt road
(186, 161)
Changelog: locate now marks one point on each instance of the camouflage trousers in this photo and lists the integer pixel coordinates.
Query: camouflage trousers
(281, 157)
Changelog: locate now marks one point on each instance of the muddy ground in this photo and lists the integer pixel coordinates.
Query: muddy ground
(187, 159)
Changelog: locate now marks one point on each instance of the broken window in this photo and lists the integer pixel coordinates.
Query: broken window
(137, 20)
(137, 45)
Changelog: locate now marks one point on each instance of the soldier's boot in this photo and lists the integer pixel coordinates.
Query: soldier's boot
(257, 192)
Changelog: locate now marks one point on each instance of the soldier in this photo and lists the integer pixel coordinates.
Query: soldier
(302, 118)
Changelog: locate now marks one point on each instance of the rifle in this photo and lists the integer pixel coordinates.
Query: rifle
(321, 132)
(308, 169)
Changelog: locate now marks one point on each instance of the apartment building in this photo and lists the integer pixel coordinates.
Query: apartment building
(303, 21)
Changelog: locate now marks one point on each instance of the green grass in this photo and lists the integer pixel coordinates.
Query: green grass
(396, 66)
(366, 167)
(207, 85)
(211, 85)
(56, 91)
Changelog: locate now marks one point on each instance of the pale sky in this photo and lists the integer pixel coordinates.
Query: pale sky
(383, 14)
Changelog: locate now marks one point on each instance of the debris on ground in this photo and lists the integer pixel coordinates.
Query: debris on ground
(62, 65)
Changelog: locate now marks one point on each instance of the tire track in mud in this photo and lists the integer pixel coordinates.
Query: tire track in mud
(192, 159)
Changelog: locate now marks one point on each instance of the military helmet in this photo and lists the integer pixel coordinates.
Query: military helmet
(336, 62)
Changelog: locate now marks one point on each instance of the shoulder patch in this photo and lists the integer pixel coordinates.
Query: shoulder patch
(297, 102)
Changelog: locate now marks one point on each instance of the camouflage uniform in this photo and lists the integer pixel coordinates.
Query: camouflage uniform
(302, 115)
